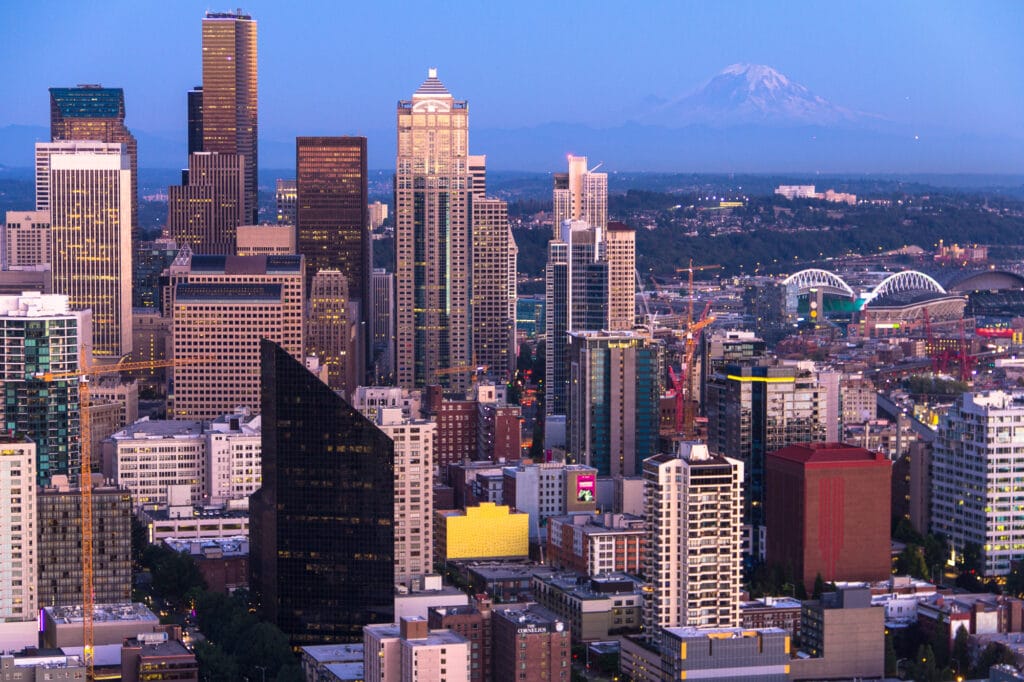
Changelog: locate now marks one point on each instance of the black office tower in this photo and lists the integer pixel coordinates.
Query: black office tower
(322, 534)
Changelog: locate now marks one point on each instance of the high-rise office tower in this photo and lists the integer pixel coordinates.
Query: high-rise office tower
(378, 213)
(620, 250)
(195, 120)
(414, 492)
(207, 208)
(493, 327)
(60, 545)
(974, 499)
(18, 569)
(576, 298)
(614, 387)
(580, 194)
(92, 112)
(286, 197)
(26, 240)
(322, 529)
(382, 323)
(90, 222)
(432, 245)
(754, 409)
(333, 332)
(331, 214)
(222, 306)
(693, 505)
(229, 95)
(40, 334)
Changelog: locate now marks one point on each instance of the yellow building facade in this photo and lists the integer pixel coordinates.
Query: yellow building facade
(488, 531)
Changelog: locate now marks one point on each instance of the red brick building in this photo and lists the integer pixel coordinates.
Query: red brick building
(530, 645)
(456, 432)
(598, 543)
(827, 511)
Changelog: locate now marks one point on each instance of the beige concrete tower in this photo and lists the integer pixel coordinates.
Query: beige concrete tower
(693, 501)
(493, 326)
(620, 245)
(432, 266)
(580, 194)
(229, 94)
(90, 196)
(18, 568)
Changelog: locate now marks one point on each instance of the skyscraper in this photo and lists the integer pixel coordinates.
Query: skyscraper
(333, 332)
(580, 194)
(612, 420)
(222, 307)
(18, 569)
(620, 250)
(40, 334)
(207, 208)
(493, 322)
(229, 95)
(331, 213)
(382, 324)
(322, 533)
(754, 409)
(693, 505)
(90, 219)
(285, 195)
(576, 298)
(195, 120)
(92, 112)
(432, 249)
(974, 477)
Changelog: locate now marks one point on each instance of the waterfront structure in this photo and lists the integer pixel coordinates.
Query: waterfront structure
(93, 112)
(322, 524)
(229, 102)
(18, 564)
(89, 188)
(694, 503)
(205, 211)
(827, 512)
(39, 333)
(432, 241)
(614, 389)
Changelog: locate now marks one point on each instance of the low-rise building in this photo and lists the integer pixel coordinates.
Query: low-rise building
(191, 522)
(332, 662)
(150, 455)
(155, 656)
(726, 654)
(842, 636)
(772, 612)
(35, 664)
(595, 608)
(488, 531)
(409, 650)
(530, 644)
(598, 543)
(223, 562)
(112, 624)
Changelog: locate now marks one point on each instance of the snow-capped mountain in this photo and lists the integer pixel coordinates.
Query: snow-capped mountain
(745, 94)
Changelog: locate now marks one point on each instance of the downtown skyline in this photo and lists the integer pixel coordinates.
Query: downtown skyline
(927, 70)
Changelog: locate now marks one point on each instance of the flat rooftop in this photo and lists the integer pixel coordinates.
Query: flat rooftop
(103, 613)
(335, 653)
(160, 428)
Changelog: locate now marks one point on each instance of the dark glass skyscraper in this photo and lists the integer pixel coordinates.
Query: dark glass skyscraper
(195, 119)
(92, 112)
(322, 533)
(331, 209)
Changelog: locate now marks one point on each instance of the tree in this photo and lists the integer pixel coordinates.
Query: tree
(175, 574)
(911, 562)
(263, 646)
(891, 660)
(215, 664)
(819, 586)
(925, 668)
(960, 656)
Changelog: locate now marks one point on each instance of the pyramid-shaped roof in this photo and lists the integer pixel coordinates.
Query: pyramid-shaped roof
(432, 87)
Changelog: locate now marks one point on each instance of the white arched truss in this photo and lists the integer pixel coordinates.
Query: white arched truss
(908, 280)
(815, 278)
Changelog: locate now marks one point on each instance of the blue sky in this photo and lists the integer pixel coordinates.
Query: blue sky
(338, 67)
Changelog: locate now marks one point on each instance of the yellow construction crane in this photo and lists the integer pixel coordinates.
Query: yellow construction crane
(689, 332)
(86, 371)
